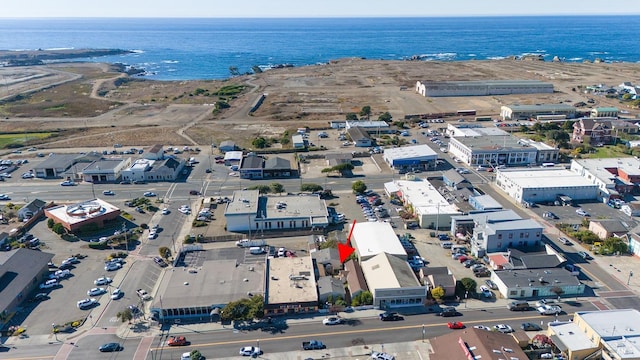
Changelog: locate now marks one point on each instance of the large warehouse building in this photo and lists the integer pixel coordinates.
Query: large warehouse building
(526, 112)
(613, 176)
(373, 238)
(482, 87)
(411, 157)
(537, 185)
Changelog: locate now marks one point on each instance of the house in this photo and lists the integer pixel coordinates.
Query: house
(359, 136)
(329, 286)
(454, 180)
(440, 276)
(276, 167)
(155, 152)
(598, 132)
(338, 159)
(298, 141)
(475, 344)
(227, 145)
(251, 167)
(356, 282)
(328, 258)
(631, 209)
(33, 209)
(607, 228)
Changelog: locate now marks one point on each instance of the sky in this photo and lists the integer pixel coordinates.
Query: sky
(309, 8)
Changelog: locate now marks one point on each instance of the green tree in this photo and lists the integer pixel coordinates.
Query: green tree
(259, 142)
(614, 244)
(343, 168)
(365, 112)
(50, 223)
(386, 117)
(276, 188)
(558, 136)
(438, 293)
(537, 127)
(262, 189)
(125, 315)
(468, 284)
(244, 309)
(363, 298)
(351, 116)
(195, 355)
(359, 187)
(58, 228)
(165, 252)
(308, 187)
(568, 125)
(524, 129)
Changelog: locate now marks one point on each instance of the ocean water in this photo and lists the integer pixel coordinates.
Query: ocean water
(184, 49)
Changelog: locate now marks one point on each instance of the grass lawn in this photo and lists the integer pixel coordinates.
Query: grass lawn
(6, 139)
(606, 152)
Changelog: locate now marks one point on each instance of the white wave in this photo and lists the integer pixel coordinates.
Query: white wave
(170, 61)
(171, 70)
(598, 53)
(496, 57)
(472, 55)
(137, 51)
(60, 48)
(575, 59)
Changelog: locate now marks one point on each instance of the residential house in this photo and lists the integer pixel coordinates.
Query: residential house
(328, 258)
(440, 276)
(356, 282)
(599, 132)
(360, 137)
(32, 209)
(329, 286)
(608, 228)
(631, 209)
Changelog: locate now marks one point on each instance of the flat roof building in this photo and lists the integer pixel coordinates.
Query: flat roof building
(373, 238)
(527, 112)
(614, 177)
(489, 151)
(392, 282)
(290, 286)
(105, 170)
(482, 87)
(411, 157)
(74, 217)
(21, 272)
(473, 343)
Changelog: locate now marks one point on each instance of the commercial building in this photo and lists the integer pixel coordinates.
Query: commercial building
(155, 152)
(373, 238)
(33, 208)
(613, 177)
(482, 87)
(411, 157)
(500, 236)
(330, 287)
(21, 272)
(298, 141)
(464, 225)
(249, 211)
(484, 203)
(536, 283)
(166, 169)
(473, 130)
(257, 167)
(65, 165)
(392, 282)
(546, 153)
(539, 185)
(290, 286)
(105, 170)
(528, 112)
(475, 344)
(356, 282)
(73, 217)
(227, 145)
(431, 209)
(371, 127)
(599, 112)
(360, 137)
(200, 283)
(489, 151)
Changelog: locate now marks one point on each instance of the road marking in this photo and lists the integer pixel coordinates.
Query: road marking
(362, 331)
(32, 358)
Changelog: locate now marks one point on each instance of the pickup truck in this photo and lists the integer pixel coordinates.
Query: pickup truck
(313, 345)
(143, 294)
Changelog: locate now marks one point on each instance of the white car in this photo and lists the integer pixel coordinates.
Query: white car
(96, 291)
(112, 266)
(282, 252)
(482, 327)
(4, 197)
(185, 211)
(149, 194)
(503, 328)
(250, 351)
(152, 235)
(49, 284)
(86, 303)
(102, 281)
(165, 211)
(28, 175)
(549, 310)
(60, 274)
(117, 294)
(67, 183)
(582, 212)
(382, 356)
(332, 320)
(108, 192)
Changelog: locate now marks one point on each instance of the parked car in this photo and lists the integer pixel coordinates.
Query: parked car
(505, 329)
(49, 284)
(491, 285)
(108, 192)
(382, 356)
(584, 255)
(112, 266)
(449, 312)
(482, 327)
(165, 211)
(549, 310)
(250, 351)
(86, 303)
(177, 341)
(96, 291)
(581, 212)
(486, 292)
(67, 183)
(102, 281)
(530, 327)
(4, 197)
(391, 316)
(160, 261)
(564, 240)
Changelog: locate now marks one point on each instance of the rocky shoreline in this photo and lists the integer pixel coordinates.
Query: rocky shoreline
(39, 57)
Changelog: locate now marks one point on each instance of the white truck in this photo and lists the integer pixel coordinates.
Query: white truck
(143, 294)
(246, 243)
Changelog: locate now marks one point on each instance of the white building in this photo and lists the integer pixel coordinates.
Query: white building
(372, 238)
(411, 157)
(488, 151)
(473, 130)
(249, 211)
(167, 169)
(392, 282)
(232, 157)
(371, 127)
(431, 209)
(612, 176)
(499, 236)
(482, 87)
(526, 112)
(538, 185)
(298, 141)
(105, 170)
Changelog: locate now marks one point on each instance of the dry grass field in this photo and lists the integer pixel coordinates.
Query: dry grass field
(93, 105)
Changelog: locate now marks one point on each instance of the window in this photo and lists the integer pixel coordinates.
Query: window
(499, 236)
(510, 235)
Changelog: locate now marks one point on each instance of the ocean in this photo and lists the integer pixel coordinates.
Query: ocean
(186, 49)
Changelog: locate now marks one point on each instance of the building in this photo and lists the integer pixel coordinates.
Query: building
(607, 228)
(290, 286)
(613, 177)
(464, 225)
(473, 344)
(631, 209)
(484, 203)
(257, 167)
(232, 158)
(482, 87)
(249, 211)
(392, 282)
(166, 169)
(454, 180)
(528, 112)
(546, 153)
(298, 141)
(21, 272)
(155, 152)
(537, 283)
(440, 276)
(500, 236)
(489, 151)
(372, 127)
(472, 130)
(277, 168)
(410, 158)
(338, 159)
(330, 287)
(328, 259)
(251, 167)
(356, 282)
(600, 112)
(540, 185)
(431, 209)
(227, 145)
(373, 238)
(105, 170)
(65, 166)
(596, 132)
(74, 217)
(359, 136)
(32, 209)
(186, 294)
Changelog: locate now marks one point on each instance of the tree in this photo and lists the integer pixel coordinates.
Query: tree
(125, 315)
(365, 112)
(351, 116)
(363, 298)
(244, 309)
(259, 142)
(438, 293)
(58, 228)
(558, 136)
(262, 189)
(557, 290)
(386, 117)
(195, 355)
(343, 168)
(310, 187)
(537, 127)
(276, 188)
(50, 223)
(469, 284)
(358, 187)
(165, 252)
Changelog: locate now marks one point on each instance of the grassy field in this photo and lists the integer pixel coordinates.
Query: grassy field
(7, 139)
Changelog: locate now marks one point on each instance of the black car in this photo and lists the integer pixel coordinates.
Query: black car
(392, 316)
(449, 312)
(530, 327)
(158, 260)
(110, 347)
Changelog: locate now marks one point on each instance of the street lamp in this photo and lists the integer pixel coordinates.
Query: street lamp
(629, 278)
(55, 333)
(466, 296)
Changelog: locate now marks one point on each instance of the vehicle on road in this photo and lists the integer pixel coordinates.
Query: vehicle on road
(96, 291)
(102, 281)
(455, 325)
(313, 345)
(549, 310)
(149, 194)
(86, 303)
(584, 255)
(165, 211)
(152, 235)
(518, 306)
(177, 341)
(530, 327)
(332, 320)
(160, 261)
(391, 316)
(194, 192)
(4, 197)
(143, 294)
(117, 294)
(108, 192)
(67, 183)
(503, 328)
(482, 327)
(246, 243)
(250, 351)
(112, 266)
(382, 356)
(449, 312)
(564, 240)
(544, 302)
(110, 347)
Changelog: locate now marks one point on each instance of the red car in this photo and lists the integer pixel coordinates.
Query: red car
(463, 259)
(455, 325)
(177, 341)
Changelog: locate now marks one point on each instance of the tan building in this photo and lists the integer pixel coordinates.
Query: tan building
(392, 282)
(74, 217)
(472, 343)
(607, 228)
(290, 286)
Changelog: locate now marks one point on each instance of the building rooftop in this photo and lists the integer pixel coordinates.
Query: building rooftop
(142, 164)
(542, 107)
(58, 161)
(103, 164)
(478, 343)
(488, 82)
(243, 202)
(355, 277)
(606, 169)
(385, 271)
(571, 336)
(233, 155)
(523, 224)
(277, 163)
(294, 207)
(487, 201)
(550, 276)
(290, 280)
(83, 211)
(18, 268)
(209, 282)
(373, 238)
(494, 143)
(612, 225)
(465, 131)
(424, 197)
(410, 152)
(252, 162)
(613, 323)
(157, 148)
(481, 218)
(366, 124)
(541, 178)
